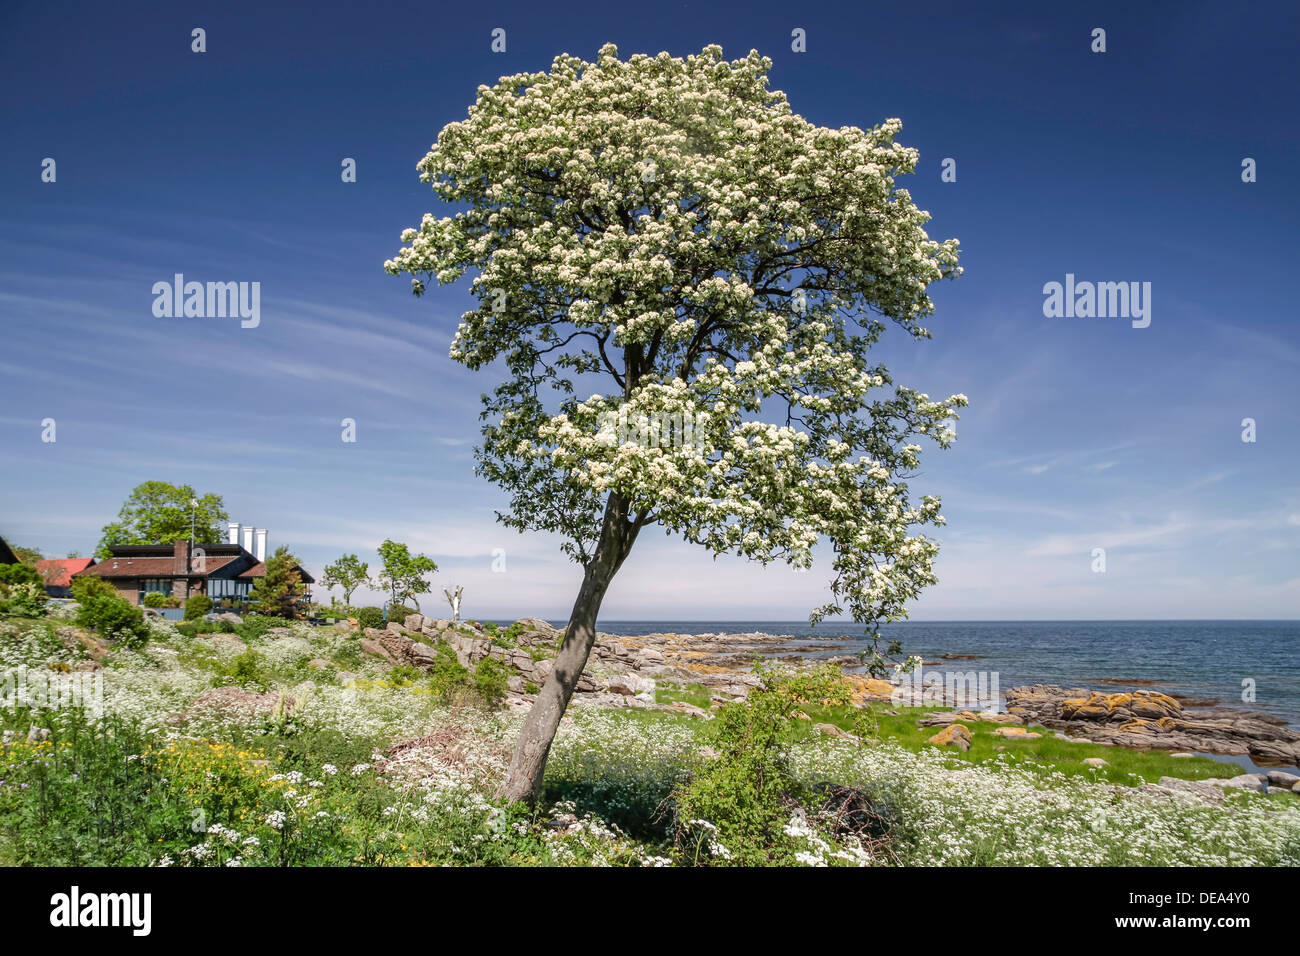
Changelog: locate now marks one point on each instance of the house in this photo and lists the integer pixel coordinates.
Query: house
(224, 572)
(7, 555)
(57, 573)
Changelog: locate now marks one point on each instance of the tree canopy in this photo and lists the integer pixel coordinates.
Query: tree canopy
(403, 574)
(349, 573)
(157, 512)
(281, 592)
(664, 243)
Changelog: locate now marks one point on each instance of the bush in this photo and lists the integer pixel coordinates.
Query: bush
(113, 618)
(22, 591)
(491, 680)
(736, 808)
(504, 637)
(197, 605)
(243, 670)
(84, 588)
(255, 625)
(448, 674)
(400, 612)
(350, 656)
(155, 599)
(371, 617)
(404, 674)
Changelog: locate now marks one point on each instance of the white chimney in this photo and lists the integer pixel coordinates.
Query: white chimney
(232, 532)
(246, 531)
(260, 553)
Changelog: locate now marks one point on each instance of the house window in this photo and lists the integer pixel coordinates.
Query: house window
(161, 585)
(219, 588)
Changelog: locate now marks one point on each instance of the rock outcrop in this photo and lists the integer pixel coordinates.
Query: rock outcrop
(1147, 719)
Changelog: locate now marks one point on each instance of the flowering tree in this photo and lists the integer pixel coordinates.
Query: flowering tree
(712, 269)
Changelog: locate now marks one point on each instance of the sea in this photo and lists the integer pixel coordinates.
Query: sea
(1247, 664)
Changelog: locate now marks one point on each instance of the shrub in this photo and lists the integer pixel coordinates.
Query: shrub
(371, 617)
(350, 655)
(400, 612)
(507, 637)
(255, 625)
(491, 680)
(737, 807)
(113, 618)
(86, 587)
(448, 674)
(404, 674)
(22, 591)
(155, 599)
(197, 605)
(243, 670)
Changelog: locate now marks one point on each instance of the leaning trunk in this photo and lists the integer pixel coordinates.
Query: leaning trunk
(527, 766)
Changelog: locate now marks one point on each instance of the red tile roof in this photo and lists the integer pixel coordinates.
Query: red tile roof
(120, 567)
(58, 572)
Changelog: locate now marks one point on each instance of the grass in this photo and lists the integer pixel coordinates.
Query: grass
(698, 695)
(1048, 753)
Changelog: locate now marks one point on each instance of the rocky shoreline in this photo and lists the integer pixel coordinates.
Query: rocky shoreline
(623, 670)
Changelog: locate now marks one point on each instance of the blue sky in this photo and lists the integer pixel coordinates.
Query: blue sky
(1082, 432)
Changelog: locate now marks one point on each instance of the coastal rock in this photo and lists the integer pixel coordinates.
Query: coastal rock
(1016, 733)
(631, 684)
(371, 646)
(681, 707)
(1174, 788)
(1146, 719)
(1109, 707)
(1247, 781)
(830, 730)
(1096, 762)
(1282, 780)
(955, 735)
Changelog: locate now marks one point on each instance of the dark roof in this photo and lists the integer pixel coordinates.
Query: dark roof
(167, 550)
(7, 555)
(125, 567)
(259, 571)
(58, 572)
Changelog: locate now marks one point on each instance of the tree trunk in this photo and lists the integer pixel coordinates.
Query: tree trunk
(527, 766)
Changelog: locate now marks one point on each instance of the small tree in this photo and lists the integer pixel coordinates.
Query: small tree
(713, 270)
(281, 592)
(349, 573)
(403, 573)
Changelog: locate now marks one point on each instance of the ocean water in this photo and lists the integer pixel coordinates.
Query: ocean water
(1206, 660)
